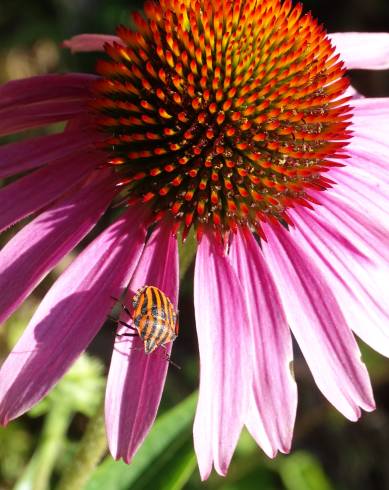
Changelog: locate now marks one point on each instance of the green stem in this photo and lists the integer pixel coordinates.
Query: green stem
(38, 472)
(92, 447)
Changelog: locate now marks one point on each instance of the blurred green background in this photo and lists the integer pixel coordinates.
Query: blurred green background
(329, 453)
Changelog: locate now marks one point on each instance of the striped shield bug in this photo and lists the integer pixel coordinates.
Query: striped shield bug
(153, 319)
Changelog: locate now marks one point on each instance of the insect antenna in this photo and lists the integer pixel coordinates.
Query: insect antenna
(168, 358)
(172, 362)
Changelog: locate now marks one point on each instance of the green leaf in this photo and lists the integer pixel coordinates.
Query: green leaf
(302, 471)
(187, 252)
(168, 436)
(173, 472)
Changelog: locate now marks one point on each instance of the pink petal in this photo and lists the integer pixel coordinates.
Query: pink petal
(43, 100)
(363, 50)
(36, 152)
(274, 389)
(358, 282)
(375, 106)
(318, 325)
(352, 92)
(370, 192)
(90, 42)
(45, 87)
(365, 179)
(70, 315)
(136, 380)
(39, 188)
(363, 232)
(370, 118)
(20, 118)
(37, 248)
(368, 158)
(225, 373)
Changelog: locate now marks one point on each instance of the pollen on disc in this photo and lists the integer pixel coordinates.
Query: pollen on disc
(220, 113)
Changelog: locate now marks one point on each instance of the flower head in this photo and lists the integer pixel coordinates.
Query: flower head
(221, 113)
(233, 118)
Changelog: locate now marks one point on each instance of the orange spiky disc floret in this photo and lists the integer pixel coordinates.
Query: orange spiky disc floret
(223, 112)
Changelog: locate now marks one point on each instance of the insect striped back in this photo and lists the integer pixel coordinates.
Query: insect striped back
(154, 317)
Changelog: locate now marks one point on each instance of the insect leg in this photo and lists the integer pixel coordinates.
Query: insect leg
(139, 349)
(122, 323)
(124, 307)
(127, 325)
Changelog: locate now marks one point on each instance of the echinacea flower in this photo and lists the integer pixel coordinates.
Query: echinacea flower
(234, 119)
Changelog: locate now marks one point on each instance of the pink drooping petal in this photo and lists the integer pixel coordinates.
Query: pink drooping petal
(362, 230)
(363, 50)
(274, 389)
(368, 190)
(20, 118)
(368, 157)
(225, 358)
(42, 100)
(36, 249)
(36, 152)
(70, 315)
(136, 380)
(359, 282)
(317, 323)
(378, 107)
(43, 88)
(370, 118)
(365, 178)
(352, 92)
(39, 188)
(89, 42)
